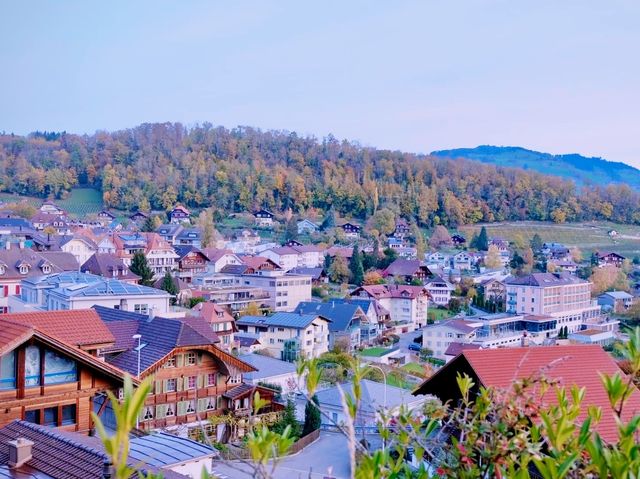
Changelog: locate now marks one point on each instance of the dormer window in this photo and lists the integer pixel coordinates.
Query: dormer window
(46, 269)
(2, 269)
(23, 268)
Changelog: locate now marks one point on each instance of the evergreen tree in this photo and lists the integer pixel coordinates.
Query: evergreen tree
(148, 225)
(536, 243)
(517, 262)
(329, 220)
(169, 285)
(390, 255)
(483, 240)
(291, 230)
(140, 267)
(355, 265)
(288, 419)
(312, 418)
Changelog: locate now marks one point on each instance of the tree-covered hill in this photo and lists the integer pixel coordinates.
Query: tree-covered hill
(157, 165)
(583, 170)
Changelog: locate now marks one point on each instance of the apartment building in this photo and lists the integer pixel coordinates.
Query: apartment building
(289, 336)
(562, 296)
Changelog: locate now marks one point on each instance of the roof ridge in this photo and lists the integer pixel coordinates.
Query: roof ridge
(52, 433)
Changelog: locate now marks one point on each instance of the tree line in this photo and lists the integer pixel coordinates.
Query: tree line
(155, 166)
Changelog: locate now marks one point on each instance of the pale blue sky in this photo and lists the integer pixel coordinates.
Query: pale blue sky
(417, 76)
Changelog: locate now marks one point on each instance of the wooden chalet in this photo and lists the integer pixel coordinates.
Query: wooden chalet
(45, 378)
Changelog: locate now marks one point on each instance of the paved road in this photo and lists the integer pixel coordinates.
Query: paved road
(314, 462)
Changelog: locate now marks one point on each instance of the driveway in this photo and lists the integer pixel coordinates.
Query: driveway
(328, 453)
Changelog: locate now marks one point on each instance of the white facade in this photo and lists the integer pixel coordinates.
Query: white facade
(80, 248)
(285, 291)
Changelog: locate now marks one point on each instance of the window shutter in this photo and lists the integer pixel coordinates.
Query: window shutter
(179, 360)
(199, 357)
(165, 386)
(161, 411)
(182, 408)
(202, 404)
(186, 383)
(200, 381)
(179, 383)
(158, 389)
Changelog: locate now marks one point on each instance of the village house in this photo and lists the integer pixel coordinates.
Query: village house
(161, 257)
(439, 289)
(80, 246)
(105, 217)
(609, 258)
(194, 379)
(407, 270)
(556, 251)
(346, 321)
(50, 374)
(219, 258)
(50, 208)
(179, 215)
(221, 321)
(615, 301)
(190, 261)
(306, 226)
(17, 264)
(74, 290)
(458, 240)
(494, 289)
(407, 305)
(139, 217)
(169, 232)
(378, 318)
(263, 218)
(351, 230)
(462, 261)
(273, 372)
(401, 229)
(189, 237)
(288, 336)
(573, 365)
(109, 266)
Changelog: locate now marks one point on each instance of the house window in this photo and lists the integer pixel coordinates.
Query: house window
(68, 414)
(8, 371)
(32, 366)
(171, 362)
(191, 407)
(32, 416)
(23, 269)
(58, 369)
(191, 382)
(211, 403)
(191, 359)
(141, 308)
(50, 416)
(171, 385)
(148, 413)
(171, 410)
(212, 379)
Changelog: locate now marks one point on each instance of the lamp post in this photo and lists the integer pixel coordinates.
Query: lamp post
(384, 399)
(139, 348)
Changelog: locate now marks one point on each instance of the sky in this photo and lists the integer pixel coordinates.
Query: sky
(559, 77)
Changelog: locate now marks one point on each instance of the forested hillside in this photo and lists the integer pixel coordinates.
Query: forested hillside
(583, 170)
(157, 165)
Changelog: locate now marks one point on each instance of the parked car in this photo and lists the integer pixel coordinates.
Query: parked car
(418, 339)
(415, 347)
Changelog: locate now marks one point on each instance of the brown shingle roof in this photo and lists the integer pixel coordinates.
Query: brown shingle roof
(82, 327)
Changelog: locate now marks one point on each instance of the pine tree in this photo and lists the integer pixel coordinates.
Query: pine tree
(483, 240)
(169, 285)
(536, 243)
(312, 418)
(288, 419)
(140, 267)
(329, 220)
(291, 230)
(355, 265)
(148, 225)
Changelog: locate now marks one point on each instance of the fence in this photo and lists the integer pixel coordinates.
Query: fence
(231, 452)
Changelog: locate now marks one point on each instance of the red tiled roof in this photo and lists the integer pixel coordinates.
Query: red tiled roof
(579, 365)
(82, 327)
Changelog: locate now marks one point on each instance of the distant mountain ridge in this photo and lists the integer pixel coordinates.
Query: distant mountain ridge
(581, 169)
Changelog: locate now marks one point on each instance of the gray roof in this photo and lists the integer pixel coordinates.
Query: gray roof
(343, 316)
(286, 320)
(544, 279)
(266, 366)
(161, 449)
(372, 395)
(58, 260)
(74, 284)
(617, 294)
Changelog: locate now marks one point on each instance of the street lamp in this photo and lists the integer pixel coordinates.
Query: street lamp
(384, 400)
(139, 348)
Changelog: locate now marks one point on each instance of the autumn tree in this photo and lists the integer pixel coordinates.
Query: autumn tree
(493, 260)
(529, 260)
(339, 270)
(576, 254)
(418, 238)
(372, 277)
(608, 278)
(383, 221)
(440, 237)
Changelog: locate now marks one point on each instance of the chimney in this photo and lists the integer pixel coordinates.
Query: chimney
(19, 452)
(152, 313)
(524, 341)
